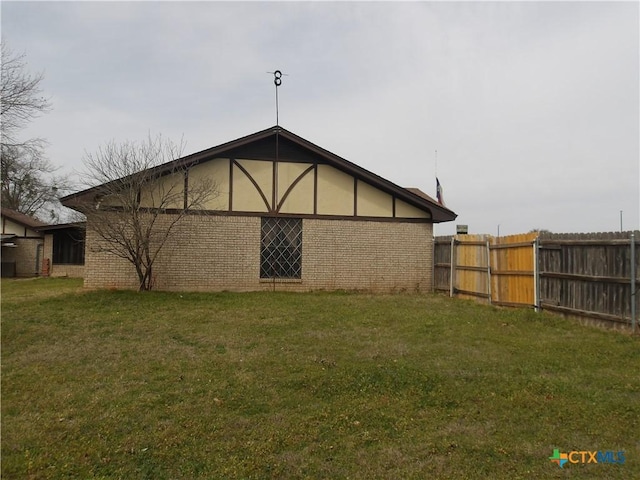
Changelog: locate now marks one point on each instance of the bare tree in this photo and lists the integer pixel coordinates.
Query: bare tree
(22, 99)
(29, 182)
(141, 196)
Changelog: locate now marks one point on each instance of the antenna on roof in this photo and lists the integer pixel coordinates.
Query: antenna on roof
(277, 81)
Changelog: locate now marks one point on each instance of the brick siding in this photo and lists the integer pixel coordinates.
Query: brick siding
(67, 270)
(25, 256)
(213, 253)
(59, 269)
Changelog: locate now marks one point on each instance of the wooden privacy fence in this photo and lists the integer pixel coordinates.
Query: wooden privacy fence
(590, 275)
(499, 269)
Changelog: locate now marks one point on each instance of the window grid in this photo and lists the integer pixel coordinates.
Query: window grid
(281, 248)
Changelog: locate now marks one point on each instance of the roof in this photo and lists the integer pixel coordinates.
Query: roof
(23, 219)
(291, 147)
(420, 193)
(63, 226)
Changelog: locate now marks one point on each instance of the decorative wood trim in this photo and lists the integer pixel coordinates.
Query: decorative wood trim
(274, 169)
(293, 184)
(312, 153)
(225, 213)
(274, 186)
(355, 197)
(255, 184)
(231, 162)
(315, 188)
(185, 196)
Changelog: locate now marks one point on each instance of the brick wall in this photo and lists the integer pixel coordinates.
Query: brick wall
(211, 253)
(67, 270)
(103, 270)
(59, 269)
(373, 256)
(25, 256)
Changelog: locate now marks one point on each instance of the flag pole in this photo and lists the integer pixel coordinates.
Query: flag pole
(436, 169)
(439, 194)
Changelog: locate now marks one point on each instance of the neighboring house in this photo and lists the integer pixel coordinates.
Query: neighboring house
(290, 215)
(22, 244)
(63, 250)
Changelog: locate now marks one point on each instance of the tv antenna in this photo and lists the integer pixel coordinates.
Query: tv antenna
(277, 81)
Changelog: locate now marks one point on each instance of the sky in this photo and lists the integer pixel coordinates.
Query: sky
(532, 107)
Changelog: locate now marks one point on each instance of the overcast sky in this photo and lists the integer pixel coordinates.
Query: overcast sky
(532, 107)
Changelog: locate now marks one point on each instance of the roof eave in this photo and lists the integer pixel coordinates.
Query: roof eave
(61, 226)
(438, 213)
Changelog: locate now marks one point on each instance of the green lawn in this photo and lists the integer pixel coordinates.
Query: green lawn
(113, 384)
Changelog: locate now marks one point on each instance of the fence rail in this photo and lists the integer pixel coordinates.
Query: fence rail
(589, 275)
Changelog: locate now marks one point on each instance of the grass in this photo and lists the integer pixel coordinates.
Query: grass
(113, 384)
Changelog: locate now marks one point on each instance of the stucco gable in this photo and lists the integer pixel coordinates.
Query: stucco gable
(277, 187)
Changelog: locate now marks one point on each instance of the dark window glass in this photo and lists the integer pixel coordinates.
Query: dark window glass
(281, 248)
(68, 247)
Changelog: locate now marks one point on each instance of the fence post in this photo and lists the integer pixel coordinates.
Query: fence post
(536, 274)
(489, 272)
(453, 268)
(433, 264)
(633, 283)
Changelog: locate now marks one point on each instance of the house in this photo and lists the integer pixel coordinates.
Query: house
(31, 247)
(289, 215)
(22, 244)
(63, 250)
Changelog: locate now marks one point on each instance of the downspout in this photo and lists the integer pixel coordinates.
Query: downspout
(38, 269)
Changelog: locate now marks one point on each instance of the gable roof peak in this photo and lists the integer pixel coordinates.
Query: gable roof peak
(296, 145)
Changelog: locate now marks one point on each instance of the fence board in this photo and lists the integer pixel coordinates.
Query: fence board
(512, 270)
(588, 273)
(471, 265)
(442, 263)
(583, 274)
